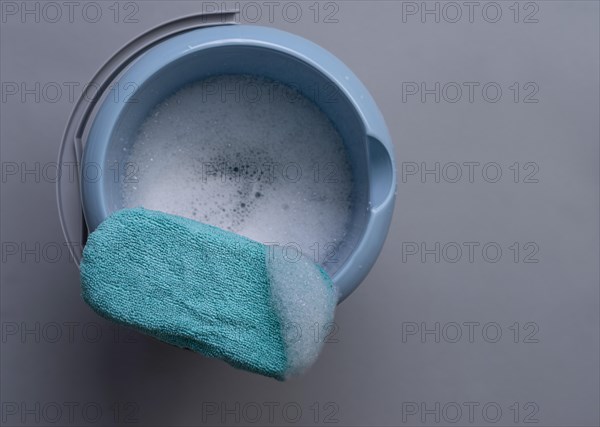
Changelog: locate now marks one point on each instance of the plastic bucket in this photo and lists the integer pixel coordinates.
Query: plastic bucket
(176, 61)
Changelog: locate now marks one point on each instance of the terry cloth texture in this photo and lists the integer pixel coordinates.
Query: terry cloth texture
(188, 284)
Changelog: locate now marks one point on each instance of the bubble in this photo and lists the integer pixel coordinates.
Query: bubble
(222, 163)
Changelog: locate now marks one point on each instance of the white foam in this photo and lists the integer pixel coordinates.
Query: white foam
(305, 305)
(236, 164)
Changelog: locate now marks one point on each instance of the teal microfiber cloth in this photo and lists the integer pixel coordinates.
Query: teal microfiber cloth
(209, 290)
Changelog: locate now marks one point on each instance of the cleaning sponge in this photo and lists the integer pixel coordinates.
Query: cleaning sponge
(212, 291)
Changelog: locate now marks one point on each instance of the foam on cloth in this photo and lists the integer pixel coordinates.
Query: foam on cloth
(303, 304)
(200, 287)
(249, 155)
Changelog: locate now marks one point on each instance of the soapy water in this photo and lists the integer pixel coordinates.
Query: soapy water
(272, 167)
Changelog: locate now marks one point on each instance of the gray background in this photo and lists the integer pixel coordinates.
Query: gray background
(373, 371)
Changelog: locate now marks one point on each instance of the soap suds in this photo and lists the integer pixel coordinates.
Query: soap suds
(270, 167)
(305, 302)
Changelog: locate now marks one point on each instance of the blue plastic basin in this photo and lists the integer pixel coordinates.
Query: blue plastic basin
(239, 49)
